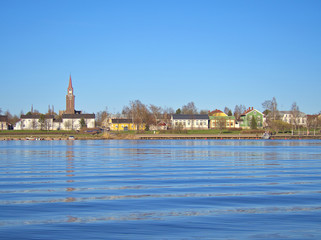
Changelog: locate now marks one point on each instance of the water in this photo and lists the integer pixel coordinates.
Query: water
(204, 189)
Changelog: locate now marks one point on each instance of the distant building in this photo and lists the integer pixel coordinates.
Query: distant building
(219, 119)
(248, 115)
(300, 119)
(69, 120)
(190, 121)
(123, 124)
(4, 122)
(72, 121)
(70, 99)
(32, 122)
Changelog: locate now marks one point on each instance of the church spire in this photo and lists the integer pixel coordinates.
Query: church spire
(70, 83)
(70, 99)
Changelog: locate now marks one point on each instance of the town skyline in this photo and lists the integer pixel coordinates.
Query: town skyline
(215, 54)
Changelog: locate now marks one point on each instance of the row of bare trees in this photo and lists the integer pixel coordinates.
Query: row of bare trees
(152, 115)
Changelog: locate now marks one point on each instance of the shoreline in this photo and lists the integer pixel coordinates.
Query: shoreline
(110, 136)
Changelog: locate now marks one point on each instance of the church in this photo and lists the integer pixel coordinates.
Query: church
(70, 119)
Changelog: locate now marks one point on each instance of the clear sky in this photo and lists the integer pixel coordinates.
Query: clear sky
(162, 52)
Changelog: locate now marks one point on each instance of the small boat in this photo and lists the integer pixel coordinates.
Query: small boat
(266, 135)
(30, 138)
(71, 138)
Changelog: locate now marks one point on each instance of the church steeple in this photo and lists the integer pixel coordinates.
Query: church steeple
(70, 99)
(70, 85)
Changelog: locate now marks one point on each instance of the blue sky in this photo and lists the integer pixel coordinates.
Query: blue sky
(162, 52)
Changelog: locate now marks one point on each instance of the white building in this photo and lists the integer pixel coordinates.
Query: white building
(72, 121)
(65, 122)
(193, 121)
(3, 122)
(300, 120)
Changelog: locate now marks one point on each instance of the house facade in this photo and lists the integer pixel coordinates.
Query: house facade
(219, 119)
(190, 121)
(248, 115)
(51, 122)
(35, 122)
(73, 121)
(123, 124)
(300, 119)
(3, 122)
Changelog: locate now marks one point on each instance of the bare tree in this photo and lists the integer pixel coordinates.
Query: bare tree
(101, 117)
(156, 113)
(221, 124)
(313, 122)
(272, 107)
(167, 112)
(42, 120)
(204, 111)
(12, 119)
(34, 124)
(138, 112)
(295, 114)
(227, 111)
(238, 111)
(189, 108)
(67, 125)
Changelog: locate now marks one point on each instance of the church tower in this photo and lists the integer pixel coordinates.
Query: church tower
(70, 99)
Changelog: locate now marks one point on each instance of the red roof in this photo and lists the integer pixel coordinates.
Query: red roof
(250, 109)
(215, 111)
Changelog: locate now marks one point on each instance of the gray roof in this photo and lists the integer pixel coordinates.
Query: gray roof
(190, 116)
(121, 120)
(77, 116)
(302, 114)
(3, 118)
(36, 116)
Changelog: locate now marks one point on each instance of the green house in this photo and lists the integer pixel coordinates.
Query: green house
(248, 115)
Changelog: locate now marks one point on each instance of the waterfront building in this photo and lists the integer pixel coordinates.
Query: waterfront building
(248, 115)
(190, 121)
(4, 122)
(70, 119)
(34, 122)
(123, 124)
(299, 120)
(219, 119)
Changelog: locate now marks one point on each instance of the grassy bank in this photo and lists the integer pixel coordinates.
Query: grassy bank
(211, 133)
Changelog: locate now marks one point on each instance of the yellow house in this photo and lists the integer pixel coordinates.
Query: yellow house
(121, 124)
(219, 119)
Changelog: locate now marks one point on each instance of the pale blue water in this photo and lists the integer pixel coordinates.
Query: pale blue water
(206, 189)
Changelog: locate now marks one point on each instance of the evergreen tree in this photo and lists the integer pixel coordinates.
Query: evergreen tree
(82, 123)
(253, 123)
(42, 121)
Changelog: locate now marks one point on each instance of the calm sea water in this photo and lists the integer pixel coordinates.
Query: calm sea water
(205, 189)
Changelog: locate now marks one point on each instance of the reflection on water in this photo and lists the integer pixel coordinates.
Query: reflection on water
(160, 189)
